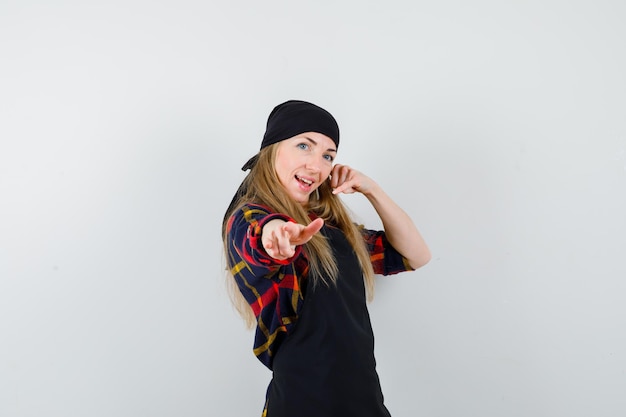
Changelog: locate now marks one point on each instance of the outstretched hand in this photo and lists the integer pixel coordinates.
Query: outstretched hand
(347, 180)
(280, 238)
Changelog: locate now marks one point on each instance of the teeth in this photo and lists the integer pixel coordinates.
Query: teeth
(308, 182)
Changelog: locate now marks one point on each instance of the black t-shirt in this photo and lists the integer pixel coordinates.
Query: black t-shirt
(326, 367)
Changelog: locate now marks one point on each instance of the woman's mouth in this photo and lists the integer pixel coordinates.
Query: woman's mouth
(304, 181)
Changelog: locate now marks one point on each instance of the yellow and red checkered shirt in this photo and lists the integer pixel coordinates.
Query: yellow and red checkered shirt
(271, 286)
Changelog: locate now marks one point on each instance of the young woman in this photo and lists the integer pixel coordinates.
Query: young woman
(303, 270)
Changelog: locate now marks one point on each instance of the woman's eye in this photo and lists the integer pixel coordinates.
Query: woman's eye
(303, 146)
(329, 158)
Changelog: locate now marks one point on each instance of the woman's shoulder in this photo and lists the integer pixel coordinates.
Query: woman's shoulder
(252, 210)
(256, 214)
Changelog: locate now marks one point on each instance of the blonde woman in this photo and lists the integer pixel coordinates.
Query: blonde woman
(302, 270)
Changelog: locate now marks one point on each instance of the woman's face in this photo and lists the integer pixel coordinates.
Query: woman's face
(303, 162)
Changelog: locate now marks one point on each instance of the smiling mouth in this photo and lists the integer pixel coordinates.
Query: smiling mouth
(304, 181)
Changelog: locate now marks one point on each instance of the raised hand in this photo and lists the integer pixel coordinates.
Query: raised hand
(399, 228)
(280, 238)
(348, 180)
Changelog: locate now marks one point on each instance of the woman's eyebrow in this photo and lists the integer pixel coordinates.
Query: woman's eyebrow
(315, 143)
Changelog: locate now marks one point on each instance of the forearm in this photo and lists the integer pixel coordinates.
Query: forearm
(400, 230)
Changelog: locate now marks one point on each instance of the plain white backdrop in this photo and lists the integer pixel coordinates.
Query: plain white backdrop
(499, 126)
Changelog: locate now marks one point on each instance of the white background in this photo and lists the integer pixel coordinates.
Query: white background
(499, 126)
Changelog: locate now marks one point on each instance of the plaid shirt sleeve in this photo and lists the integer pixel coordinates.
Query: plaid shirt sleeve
(385, 259)
(270, 286)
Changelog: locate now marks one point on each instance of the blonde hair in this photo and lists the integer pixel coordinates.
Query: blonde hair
(258, 187)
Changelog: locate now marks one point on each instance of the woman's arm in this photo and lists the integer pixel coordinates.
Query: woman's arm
(400, 230)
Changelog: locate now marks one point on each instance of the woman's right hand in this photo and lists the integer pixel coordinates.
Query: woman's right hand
(280, 238)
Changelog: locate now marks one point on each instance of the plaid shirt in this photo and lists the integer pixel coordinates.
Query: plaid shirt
(272, 286)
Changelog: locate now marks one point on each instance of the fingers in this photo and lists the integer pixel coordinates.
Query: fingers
(280, 242)
(339, 174)
(300, 234)
(277, 244)
(345, 179)
(311, 229)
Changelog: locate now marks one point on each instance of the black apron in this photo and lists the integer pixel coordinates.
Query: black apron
(326, 367)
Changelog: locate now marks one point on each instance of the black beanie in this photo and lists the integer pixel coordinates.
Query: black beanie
(292, 118)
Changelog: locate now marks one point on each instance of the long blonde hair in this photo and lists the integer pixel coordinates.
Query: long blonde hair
(259, 187)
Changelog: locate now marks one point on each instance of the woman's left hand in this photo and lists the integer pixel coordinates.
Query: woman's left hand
(348, 180)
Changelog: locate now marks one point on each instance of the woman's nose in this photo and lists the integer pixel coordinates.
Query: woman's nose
(313, 163)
